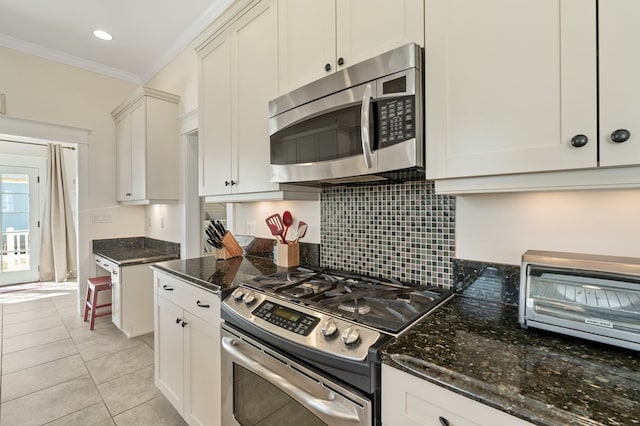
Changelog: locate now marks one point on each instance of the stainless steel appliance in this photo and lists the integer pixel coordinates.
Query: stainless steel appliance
(303, 347)
(361, 124)
(588, 296)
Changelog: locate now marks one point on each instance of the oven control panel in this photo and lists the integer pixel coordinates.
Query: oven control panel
(286, 318)
(300, 324)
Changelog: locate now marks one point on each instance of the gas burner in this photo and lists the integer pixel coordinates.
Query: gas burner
(353, 307)
(309, 288)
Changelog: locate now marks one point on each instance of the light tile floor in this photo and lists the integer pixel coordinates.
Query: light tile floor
(55, 371)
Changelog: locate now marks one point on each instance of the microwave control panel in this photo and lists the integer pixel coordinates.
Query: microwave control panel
(396, 117)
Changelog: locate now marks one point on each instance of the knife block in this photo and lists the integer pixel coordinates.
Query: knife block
(230, 248)
(288, 255)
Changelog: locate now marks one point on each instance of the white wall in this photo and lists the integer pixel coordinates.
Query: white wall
(501, 227)
(46, 91)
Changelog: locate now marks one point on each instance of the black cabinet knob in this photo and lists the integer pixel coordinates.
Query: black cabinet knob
(233, 182)
(579, 141)
(183, 324)
(227, 183)
(327, 67)
(178, 320)
(620, 135)
(443, 421)
(128, 194)
(340, 61)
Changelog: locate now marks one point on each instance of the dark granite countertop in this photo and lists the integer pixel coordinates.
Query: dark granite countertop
(476, 348)
(217, 275)
(136, 250)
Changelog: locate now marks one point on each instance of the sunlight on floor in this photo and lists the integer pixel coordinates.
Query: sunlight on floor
(36, 291)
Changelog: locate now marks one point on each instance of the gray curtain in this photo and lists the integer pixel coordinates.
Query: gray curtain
(58, 252)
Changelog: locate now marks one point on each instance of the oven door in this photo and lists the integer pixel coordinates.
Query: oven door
(264, 387)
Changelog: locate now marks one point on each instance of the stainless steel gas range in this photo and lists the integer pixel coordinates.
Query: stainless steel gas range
(303, 347)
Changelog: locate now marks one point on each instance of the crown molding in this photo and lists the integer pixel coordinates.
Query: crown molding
(185, 38)
(54, 55)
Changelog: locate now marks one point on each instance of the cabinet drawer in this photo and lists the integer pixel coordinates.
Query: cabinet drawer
(199, 302)
(411, 401)
(105, 264)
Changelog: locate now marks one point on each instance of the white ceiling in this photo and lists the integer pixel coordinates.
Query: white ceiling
(147, 34)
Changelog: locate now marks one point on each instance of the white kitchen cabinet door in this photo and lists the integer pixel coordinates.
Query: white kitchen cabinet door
(410, 401)
(255, 82)
(168, 351)
(619, 71)
(214, 138)
(366, 28)
(123, 156)
(202, 371)
(307, 41)
(147, 147)
(508, 85)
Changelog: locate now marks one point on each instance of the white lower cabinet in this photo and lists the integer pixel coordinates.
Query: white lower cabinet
(410, 401)
(131, 296)
(187, 348)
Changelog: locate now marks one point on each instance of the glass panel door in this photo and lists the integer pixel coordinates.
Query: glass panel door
(20, 249)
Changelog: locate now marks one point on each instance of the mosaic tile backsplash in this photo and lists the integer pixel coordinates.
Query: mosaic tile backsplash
(402, 230)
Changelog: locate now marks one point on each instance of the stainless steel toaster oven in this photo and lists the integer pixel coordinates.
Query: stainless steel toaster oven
(588, 296)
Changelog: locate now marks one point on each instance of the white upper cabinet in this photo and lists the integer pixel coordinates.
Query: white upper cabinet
(238, 76)
(147, 148)
(318, 37)
(510, 86)
(619, 72)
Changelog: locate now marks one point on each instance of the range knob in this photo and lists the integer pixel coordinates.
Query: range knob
(249, 297)
(329, 328)
(350, 336)
(237, 294)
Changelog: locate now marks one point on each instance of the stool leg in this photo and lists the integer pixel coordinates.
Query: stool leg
(94, 298)
(86, 301)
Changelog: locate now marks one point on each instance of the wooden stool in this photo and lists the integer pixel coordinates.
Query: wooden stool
(95, 286)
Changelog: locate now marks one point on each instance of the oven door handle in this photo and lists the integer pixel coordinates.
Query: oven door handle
(364, 126)
(328, 408)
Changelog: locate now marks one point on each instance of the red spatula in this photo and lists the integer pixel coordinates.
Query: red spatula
(274, 222)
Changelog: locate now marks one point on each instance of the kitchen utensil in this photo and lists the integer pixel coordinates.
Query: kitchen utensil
(220, 228)
(209, 233)
(274, 222)
(287, 220)
(214, 243)
(302, 231)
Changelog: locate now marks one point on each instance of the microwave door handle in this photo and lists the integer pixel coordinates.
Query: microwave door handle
(328, 408)
(364, 126)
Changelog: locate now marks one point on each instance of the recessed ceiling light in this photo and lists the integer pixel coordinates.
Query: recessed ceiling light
(103, 35)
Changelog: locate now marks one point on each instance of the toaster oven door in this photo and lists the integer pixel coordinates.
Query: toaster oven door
(599, 306)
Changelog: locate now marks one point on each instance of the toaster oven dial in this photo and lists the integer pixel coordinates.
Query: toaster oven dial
(350, 336)
(249, 297)
(329, 328)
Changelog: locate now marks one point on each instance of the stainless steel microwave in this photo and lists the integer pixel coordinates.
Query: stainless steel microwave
(361, 124)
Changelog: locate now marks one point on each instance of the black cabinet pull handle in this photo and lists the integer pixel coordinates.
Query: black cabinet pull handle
(233, 182)
(579, 141)
(128, 194)
(201, 305)
(340, 61)
(443, 421)
(183, 324)
(327, 67)
(166, 287)
(620, 135)
(178, 320)
(227, 183)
